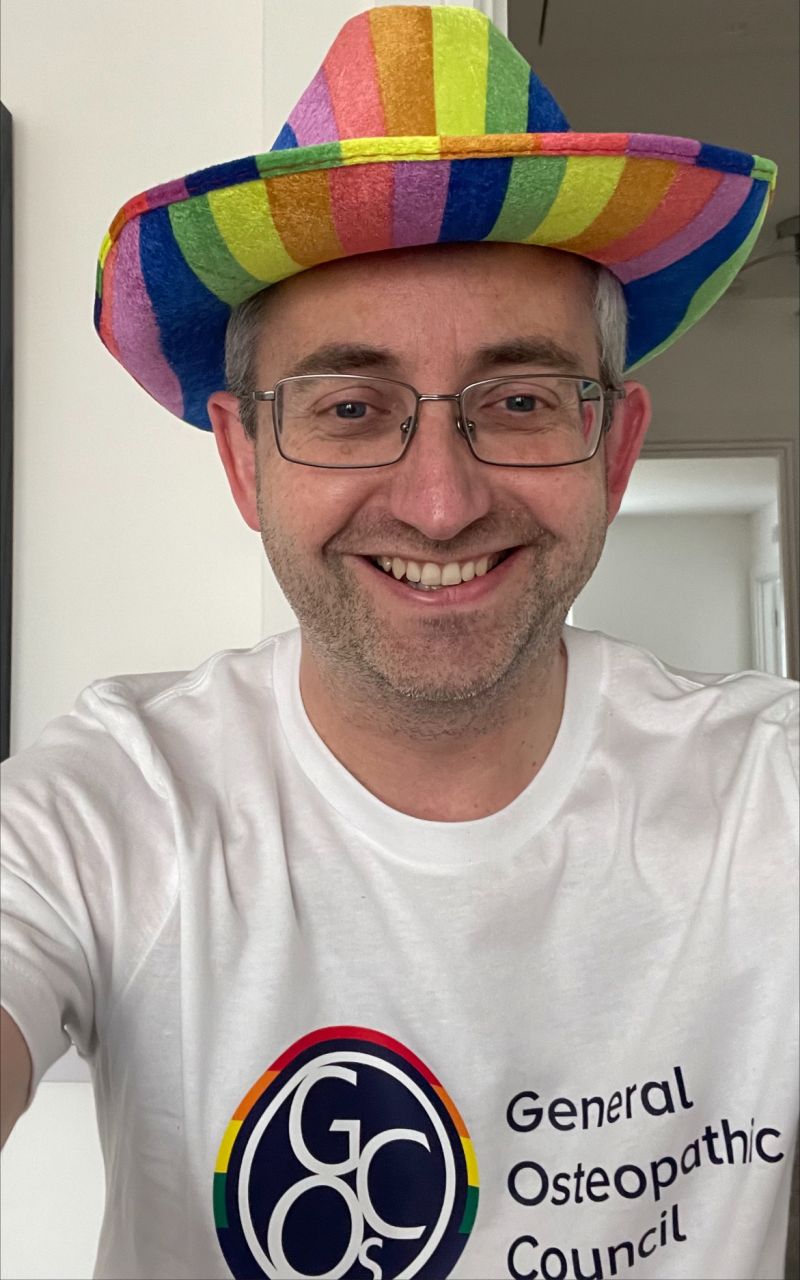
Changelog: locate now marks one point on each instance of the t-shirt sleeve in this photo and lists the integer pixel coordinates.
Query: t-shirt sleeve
(793, 735)
(82, 896)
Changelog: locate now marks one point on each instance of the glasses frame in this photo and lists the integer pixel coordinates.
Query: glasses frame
(609, 396)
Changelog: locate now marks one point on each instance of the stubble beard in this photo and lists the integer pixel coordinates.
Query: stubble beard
(449, 671)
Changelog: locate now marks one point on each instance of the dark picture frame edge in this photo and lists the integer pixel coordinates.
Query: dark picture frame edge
(6, 423)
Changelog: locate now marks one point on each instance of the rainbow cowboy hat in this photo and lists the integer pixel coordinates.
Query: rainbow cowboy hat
(422, 126)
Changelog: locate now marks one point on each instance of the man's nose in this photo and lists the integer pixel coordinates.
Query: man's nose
(438, 486)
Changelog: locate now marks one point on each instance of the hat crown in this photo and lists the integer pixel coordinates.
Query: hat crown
(414, 71)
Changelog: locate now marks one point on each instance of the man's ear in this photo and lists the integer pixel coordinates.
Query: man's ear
(624, 442)
(238, 453)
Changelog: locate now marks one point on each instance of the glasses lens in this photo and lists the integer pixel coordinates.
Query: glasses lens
(342, 421)
(534, 421)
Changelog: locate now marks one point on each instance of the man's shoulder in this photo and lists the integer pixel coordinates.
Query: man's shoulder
(143, 722)
(226, 674)
(635, 666)
(648, 693)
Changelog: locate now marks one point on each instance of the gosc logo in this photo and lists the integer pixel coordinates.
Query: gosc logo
(347, 1159)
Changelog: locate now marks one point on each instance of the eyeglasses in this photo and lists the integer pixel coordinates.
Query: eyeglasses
(530, 420)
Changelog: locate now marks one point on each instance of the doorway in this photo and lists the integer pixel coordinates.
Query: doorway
(695, 564)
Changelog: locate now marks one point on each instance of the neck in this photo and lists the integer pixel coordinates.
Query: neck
(451, 763)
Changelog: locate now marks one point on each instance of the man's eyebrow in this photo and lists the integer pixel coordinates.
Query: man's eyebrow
(356, 357)
(344, 357)
(533, 350)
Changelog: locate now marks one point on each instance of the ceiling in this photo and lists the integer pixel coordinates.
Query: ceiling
(701, 486)
(723, 71)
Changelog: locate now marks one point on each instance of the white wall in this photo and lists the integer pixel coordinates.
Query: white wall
(128, 553)
(679, 586)
(53, 1188)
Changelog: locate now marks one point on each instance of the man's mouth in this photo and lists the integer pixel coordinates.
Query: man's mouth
(426, 575)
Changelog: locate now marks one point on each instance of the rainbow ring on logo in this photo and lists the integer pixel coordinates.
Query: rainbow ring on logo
(346, 1158)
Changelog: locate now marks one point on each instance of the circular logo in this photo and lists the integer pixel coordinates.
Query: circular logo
(346, 1160)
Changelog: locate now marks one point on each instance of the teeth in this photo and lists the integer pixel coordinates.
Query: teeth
(433, 576)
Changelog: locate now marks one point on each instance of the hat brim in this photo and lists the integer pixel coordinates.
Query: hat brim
(673, 219)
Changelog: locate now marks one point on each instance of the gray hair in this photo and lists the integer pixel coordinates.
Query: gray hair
(611, 323)
(245, 325)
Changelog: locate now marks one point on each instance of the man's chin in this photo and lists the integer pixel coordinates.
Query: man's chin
(419, 688)
(446, 667)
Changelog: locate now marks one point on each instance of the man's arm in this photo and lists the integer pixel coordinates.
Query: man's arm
(15, 1074)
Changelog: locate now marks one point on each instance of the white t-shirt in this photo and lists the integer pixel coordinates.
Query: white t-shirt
(331, 1039)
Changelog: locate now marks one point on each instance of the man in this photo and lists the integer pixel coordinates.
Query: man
(437, 938)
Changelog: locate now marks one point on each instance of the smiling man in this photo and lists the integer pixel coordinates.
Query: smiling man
(432, 588)
(435, 938)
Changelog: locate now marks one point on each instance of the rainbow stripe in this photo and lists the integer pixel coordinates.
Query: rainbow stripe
(360, 1035)
(473, 1182)
(422, 126)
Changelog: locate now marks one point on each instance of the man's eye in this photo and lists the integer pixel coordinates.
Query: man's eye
(350, 409)
(521, 404)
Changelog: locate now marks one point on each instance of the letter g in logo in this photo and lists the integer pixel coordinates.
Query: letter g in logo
(347, 1160)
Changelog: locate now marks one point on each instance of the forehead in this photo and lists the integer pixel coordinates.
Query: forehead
(454, 297)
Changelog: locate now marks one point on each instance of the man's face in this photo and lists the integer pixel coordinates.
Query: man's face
(428, 317)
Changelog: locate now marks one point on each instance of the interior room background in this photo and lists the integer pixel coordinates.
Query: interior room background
(128, 552)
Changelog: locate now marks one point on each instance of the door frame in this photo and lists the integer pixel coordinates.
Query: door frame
(784, 452)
